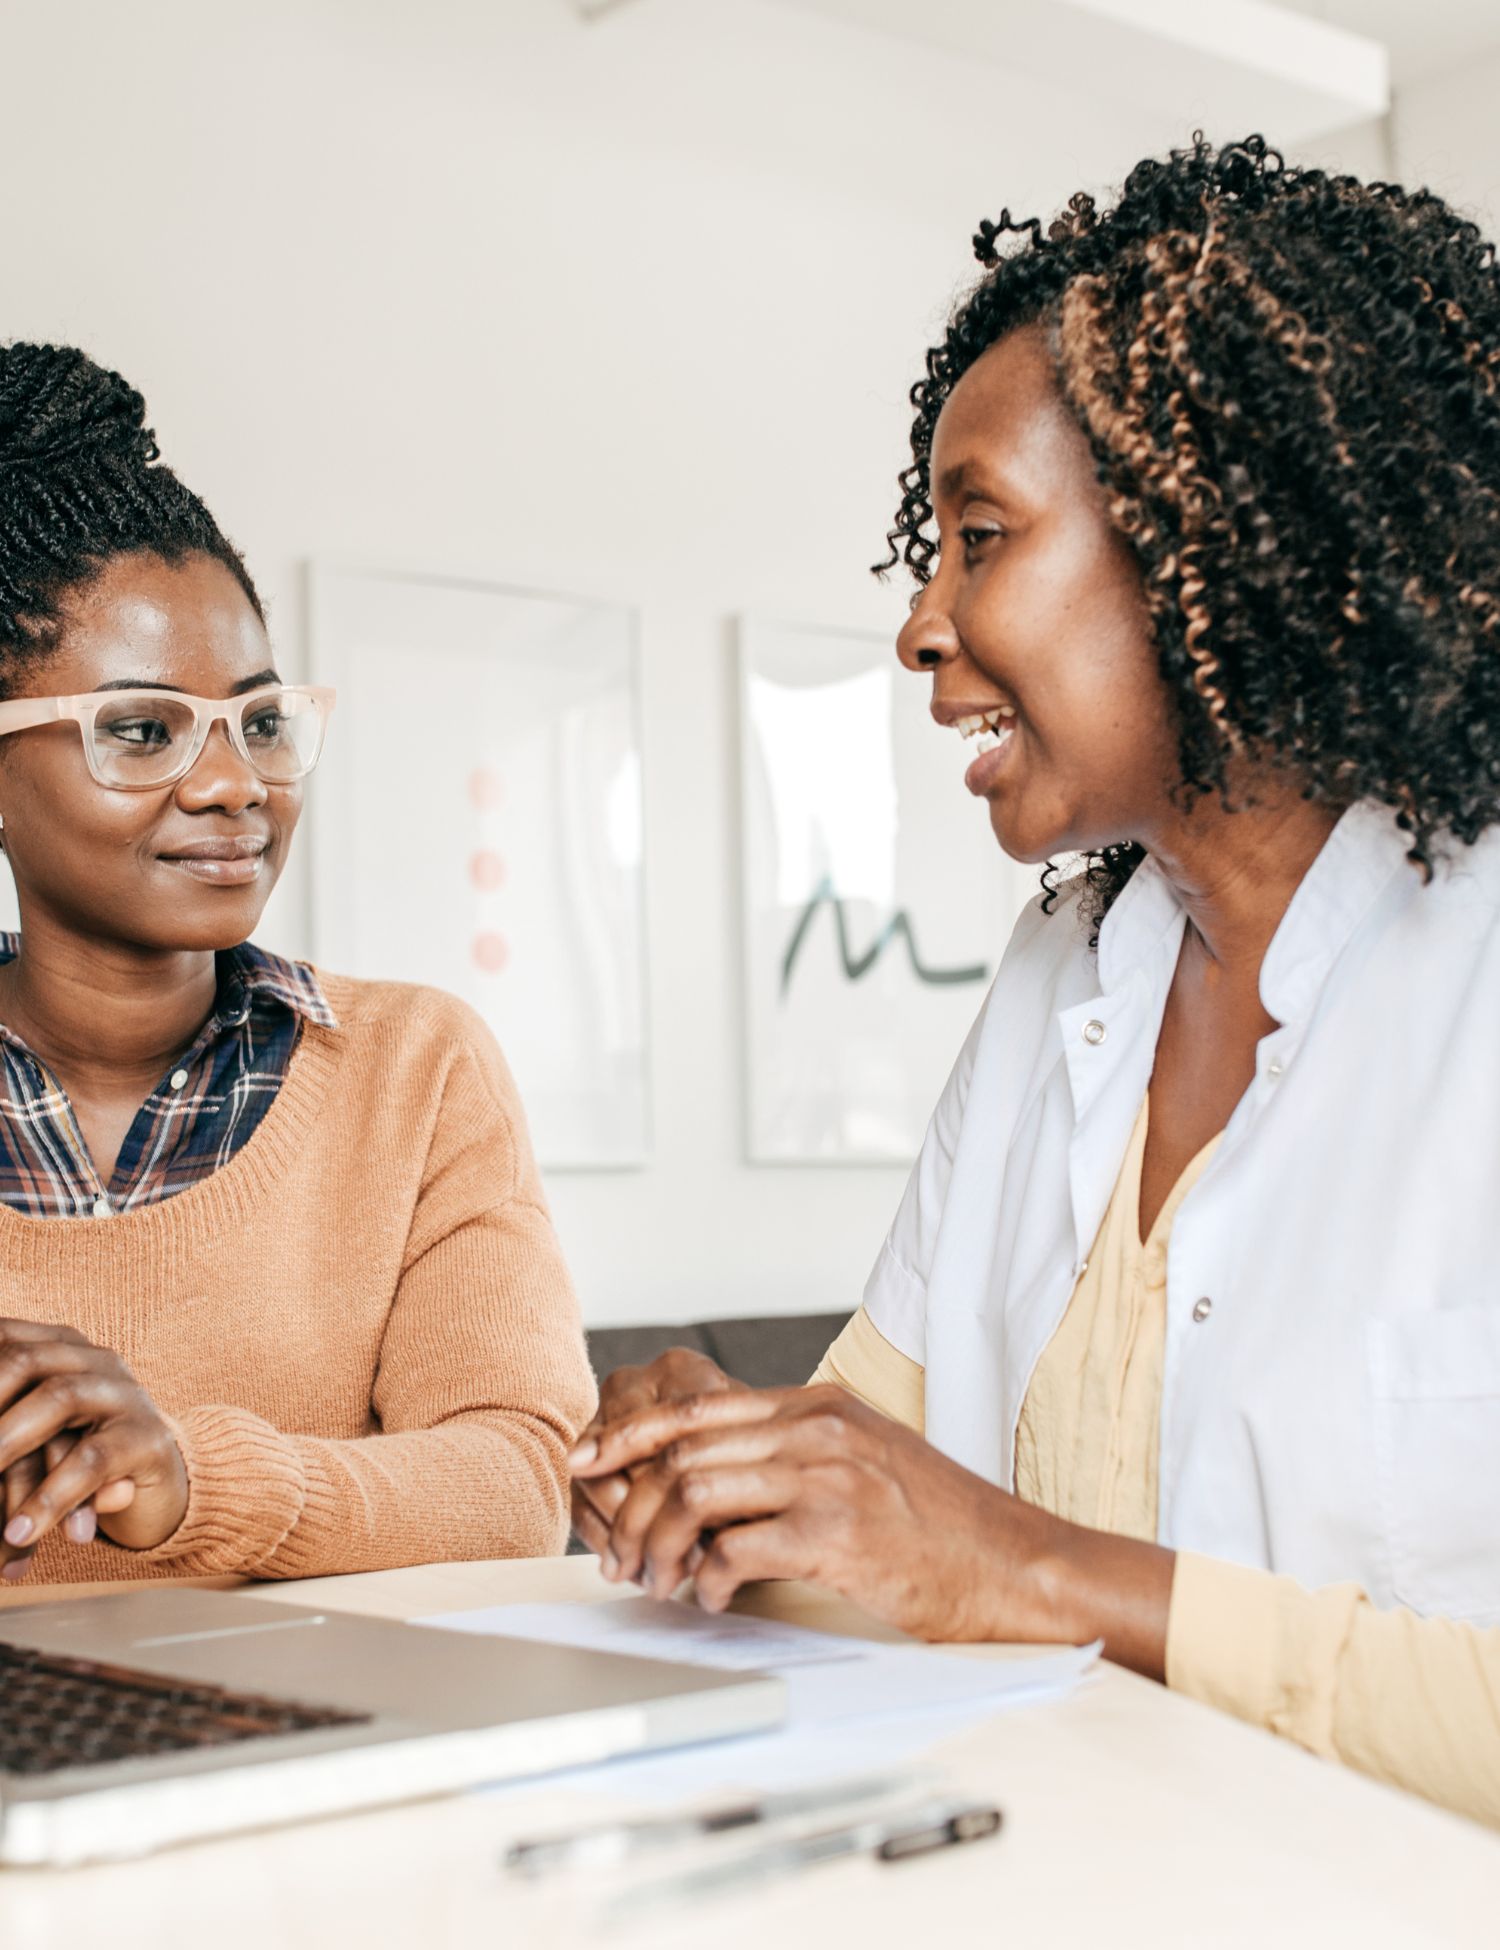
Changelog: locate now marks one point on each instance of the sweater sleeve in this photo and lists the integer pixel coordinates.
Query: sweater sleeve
(1414, 1701)
(482, 1386)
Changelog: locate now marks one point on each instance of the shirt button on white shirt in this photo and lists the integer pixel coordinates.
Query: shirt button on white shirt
(178, 1078)
(1094, 1032)
(1273, 1070)
(1202, 1309)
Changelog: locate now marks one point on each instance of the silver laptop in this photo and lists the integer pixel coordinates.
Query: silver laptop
(130, 1722)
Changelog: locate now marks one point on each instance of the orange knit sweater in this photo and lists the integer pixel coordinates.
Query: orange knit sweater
(361, 1326)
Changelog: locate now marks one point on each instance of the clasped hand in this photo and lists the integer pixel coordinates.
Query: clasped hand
(81, 1445)
(728, 1485)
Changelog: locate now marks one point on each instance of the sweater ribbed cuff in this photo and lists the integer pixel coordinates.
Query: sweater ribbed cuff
(246, 1489)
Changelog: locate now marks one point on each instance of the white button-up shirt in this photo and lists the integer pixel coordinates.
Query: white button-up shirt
(1331, 1384)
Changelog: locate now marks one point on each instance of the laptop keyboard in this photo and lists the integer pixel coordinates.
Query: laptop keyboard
(58, 1713)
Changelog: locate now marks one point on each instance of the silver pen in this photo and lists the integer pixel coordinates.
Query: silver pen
(609, 1842)
(895, 1836)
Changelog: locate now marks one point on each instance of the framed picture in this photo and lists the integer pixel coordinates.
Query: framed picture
(478, 826)
(876, 899)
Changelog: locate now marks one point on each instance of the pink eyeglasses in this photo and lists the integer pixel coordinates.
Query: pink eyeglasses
(134, 740)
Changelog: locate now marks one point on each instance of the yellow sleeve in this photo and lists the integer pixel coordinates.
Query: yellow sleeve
(1413, 1701)
(864, 1364)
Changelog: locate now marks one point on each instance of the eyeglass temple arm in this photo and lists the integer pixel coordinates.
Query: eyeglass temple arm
(24, 712)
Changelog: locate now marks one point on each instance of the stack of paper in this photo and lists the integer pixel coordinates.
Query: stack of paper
(851, 1703)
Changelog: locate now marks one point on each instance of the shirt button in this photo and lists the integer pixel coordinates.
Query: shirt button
(178, 1079)
(1202, 1309)
(1273, 1070)
(102, 1207)
(1094, 1032)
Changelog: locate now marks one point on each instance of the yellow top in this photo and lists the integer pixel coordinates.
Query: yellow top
(1413, 1701)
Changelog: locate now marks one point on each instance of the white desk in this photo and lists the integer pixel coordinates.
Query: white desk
(1133, 1817)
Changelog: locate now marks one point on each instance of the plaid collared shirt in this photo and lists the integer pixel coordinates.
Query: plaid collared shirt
(203, 1111)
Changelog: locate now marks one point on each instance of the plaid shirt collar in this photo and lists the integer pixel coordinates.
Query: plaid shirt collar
(191, 1125)
(250, 981)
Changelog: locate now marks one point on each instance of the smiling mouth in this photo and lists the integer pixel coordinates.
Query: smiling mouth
(223, 863)
(987, 731)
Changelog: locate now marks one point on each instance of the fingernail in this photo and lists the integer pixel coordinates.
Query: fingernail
(694, 1558)
(80, 1526)
(16, 1570)
(584, 1454)
(18, 1530)
(609, 1564)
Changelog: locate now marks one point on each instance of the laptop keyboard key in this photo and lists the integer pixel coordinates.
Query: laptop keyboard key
(58, 1713)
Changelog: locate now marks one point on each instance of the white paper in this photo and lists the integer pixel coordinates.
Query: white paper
(852, 1705)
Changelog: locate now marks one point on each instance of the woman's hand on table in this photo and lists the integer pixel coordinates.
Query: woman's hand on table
(82, 1447)
(810, 1483)
(681, 1374)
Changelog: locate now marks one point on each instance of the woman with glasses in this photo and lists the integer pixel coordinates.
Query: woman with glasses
(1186, 1334)
(279, 1294)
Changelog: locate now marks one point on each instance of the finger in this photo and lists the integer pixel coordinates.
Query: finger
(589, 1527)
(80, 1525)
(621, 1557)
(21, 1480)
(25, 1363)
(604, 1493)
(740, 1442)
(672, 1376)
(114, 1497)
(38, 1330)
(707, 1500)
(642, 1436)
(99, 1456)
(63, 1401)
(749, 1552)
(622, 1393)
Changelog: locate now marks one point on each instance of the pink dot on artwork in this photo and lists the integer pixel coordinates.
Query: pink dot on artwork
(491, 952)
(486, 788)
(487, 871)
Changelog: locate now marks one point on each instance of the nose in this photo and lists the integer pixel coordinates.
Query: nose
(927, 638)
(219, 780)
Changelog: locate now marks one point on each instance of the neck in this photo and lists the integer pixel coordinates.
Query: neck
(1236, 872)
(102, 1012)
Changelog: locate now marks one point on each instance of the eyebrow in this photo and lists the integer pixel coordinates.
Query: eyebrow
(146, 684)
(953, 480)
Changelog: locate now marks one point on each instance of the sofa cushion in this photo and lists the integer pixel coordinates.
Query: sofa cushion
(768, 1351)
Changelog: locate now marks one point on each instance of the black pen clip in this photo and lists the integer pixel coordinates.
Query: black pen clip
(968, 1825)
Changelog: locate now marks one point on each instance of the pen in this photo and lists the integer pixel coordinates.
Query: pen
(893, 1837)
(609, 1842)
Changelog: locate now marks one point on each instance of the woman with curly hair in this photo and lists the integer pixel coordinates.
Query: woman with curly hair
(279, 1294)
(1186, 1333)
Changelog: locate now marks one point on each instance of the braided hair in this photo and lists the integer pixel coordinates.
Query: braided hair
(1289, 383)
(81, 481)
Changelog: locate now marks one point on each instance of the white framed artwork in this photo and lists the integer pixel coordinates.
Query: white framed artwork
(478, 826)
(876, 899)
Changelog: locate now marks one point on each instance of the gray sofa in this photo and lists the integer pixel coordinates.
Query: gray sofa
(777, 1351)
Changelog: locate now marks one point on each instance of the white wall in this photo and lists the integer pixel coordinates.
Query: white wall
(628, 309)
(1446, 135)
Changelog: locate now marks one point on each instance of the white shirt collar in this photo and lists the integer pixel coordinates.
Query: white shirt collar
(1356, 861)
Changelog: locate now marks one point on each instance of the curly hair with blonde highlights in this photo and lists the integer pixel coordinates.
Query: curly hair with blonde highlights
(1289, 382)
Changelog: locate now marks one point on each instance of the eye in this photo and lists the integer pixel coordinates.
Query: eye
(266, 726)
(146, 734)
(974, 536)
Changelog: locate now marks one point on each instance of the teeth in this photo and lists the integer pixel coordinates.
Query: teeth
(1001, 717)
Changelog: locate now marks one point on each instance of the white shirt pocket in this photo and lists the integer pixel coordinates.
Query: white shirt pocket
(1436, 1384)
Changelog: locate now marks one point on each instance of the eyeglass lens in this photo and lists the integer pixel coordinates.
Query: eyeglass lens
(144, 738)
